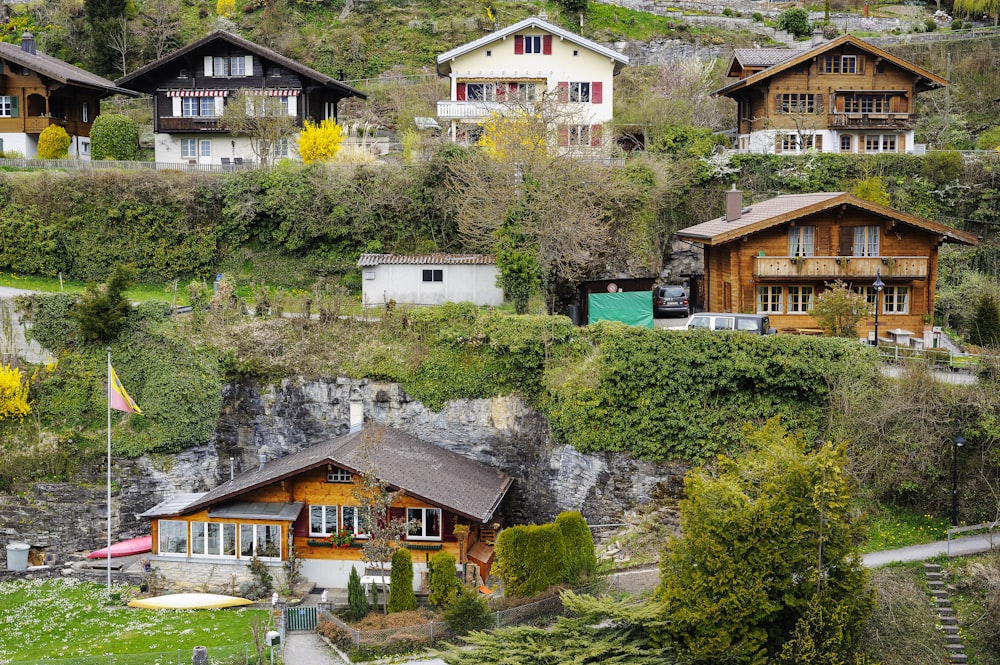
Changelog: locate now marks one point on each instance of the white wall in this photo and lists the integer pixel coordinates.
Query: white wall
(20, 143)
(404, 284)
(333, 574)
(763, 141)
(167, 148)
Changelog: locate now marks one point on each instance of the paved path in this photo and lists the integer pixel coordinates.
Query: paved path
(959, 546)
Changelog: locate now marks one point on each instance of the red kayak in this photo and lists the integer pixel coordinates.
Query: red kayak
(125, 548)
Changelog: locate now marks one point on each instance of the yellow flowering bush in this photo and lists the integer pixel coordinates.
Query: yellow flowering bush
(13, 394)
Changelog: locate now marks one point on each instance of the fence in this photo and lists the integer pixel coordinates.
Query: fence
(233, 654)
(23, 163)
(936, 358)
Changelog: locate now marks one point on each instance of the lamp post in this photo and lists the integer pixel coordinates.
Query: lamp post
(878, 285)
(959, 442)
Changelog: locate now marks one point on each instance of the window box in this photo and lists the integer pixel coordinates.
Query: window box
(428, 547)
(319, 543)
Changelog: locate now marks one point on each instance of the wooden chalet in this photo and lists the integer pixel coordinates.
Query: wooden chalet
(301, 500)
(192, 86)
(775, 256)
(38, 91)
(844, 95)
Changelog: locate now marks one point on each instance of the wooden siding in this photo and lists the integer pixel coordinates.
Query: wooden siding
(39, 106)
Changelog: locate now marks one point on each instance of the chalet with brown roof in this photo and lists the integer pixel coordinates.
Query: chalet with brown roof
(305, 500)
(844, 95)
(775, 256)
(38, 91)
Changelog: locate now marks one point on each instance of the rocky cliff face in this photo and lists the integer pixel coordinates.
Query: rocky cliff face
(281, 419)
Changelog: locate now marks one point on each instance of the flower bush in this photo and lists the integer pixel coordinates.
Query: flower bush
(342, 538)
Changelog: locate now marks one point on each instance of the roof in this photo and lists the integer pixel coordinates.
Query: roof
(367, 260)
(783, 209)
(925, 80)
(423, 470)
(60, 71)
(444, 60)
(762, 57)
(146, 73)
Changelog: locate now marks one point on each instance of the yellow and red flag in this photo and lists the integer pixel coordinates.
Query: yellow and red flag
(120, 400)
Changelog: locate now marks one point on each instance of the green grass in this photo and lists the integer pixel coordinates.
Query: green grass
(140, 292)
(890, 528)
(68, 618)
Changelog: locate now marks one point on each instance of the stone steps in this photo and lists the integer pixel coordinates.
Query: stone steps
(945, 614)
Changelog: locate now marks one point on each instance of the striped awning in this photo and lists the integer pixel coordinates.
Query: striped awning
(197, 93)
(273, 92)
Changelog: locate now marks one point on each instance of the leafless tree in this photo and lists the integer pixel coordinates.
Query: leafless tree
(160, 21)
(260, 118)
(120, 40)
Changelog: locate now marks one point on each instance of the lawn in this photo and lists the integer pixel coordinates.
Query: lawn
(891, 527)
(66, 618)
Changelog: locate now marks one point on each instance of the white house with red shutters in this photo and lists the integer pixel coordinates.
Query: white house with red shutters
(527, 65)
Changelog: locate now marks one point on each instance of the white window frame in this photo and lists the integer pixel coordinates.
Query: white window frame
(6, 106)
(481, 92)
(527, 92)
(206, 528)
(355, 520)
(800, 299)
(866, 241)
(168, 530)
(84, 112)
(579, 92)
(578, 135)
(533, 45)
(328, 517)
(205, 148)
(257, 533)
(189, 148)
(769, 300)
(237, 65)
(220, 66)
(338, 475)
(801, 241)
(896, 300)
(417, 523)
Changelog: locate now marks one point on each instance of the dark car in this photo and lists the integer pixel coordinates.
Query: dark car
(670, 301)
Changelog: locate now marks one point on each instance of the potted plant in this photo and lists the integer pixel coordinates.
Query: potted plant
(342, 538)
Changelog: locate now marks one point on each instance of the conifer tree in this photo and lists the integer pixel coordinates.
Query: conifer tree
(102, 310)
(401, 596)
(357, 601)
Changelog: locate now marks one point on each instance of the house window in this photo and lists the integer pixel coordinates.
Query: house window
(184, 74)
(870, 294)
(880, 143)
(845, 143)
(840, 64)
(283, 100)
(197, 106)
(281, 148)
(532, 43)
(423, 523)
(888, 143)
(579, 135)
(261, 540)
(338, 476)
(173, 537)
(894, 300)
(800, 240)
(237, 66)
(489, 53)
(481, 92)
(789, 142)
(797, 103)
(84, 112)
(8, 106)
(205, 148)
(866, 103)
(355, 519)
(769, 299)
(322, 520)
(433, 275)
(189, 149)
(865, 241)
(220, 66)
(800, 299)
(579, 91)
(213, 539)
(526, 92)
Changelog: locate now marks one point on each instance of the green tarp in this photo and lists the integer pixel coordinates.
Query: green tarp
(632, 307)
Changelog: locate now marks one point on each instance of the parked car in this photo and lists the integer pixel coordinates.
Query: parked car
(758, 324)
(670, 300)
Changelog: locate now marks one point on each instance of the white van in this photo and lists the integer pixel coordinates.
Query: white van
(758, 324)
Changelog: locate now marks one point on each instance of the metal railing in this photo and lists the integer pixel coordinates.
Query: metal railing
(233, 654)
(936, 358)
(23, 163)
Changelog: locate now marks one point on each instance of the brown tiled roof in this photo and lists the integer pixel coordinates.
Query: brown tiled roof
(425, 259)
(783, 209)
(423, 470)
(62, 72)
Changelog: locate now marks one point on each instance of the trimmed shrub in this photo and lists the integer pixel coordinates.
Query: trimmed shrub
(357, 601)
(114, 136)
(468, 612)
(401, 596)
(581, 559)
(795, 21)
(444, 585)
(530, 559)
(53, 143)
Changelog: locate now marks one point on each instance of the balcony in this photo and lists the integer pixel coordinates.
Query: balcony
(449, 110)
(36, 124)
(840, 267)
(190, 124)
(895, 121)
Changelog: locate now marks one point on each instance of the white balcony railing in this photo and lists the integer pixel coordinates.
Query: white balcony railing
(449, 110)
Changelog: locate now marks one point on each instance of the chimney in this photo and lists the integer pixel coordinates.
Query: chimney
(817, 38)
(28, 43)
(261, 459)
(734, 204)
(357, 411)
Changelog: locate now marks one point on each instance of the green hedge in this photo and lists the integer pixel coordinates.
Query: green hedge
(401, 596)
(581, 558)
(530, 559)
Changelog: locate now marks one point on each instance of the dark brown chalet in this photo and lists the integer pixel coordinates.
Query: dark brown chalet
(844, 95)
(775, 256)
(38, 91)
(192, 86)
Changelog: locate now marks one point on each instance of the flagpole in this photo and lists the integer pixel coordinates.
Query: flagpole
(109, 473)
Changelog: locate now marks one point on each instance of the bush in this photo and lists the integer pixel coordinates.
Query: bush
(114, 136)
(581, 559)
(53, 143)
(468, 612)
(956, 24)
(443, 582)
(757, 17)
(401, 596)
(530, 559)
(989, 139)
(102, 310)
(795, 21)
(357, 601)
(930, 25)
(14, 394)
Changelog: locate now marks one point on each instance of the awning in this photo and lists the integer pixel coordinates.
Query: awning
(273, 92)
(258, 510)
(197, 93)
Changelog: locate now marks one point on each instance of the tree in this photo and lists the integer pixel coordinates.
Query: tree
(103, 21)
(530, 558)
(260, 118)
(985, 327)
(581, 558)
(839, 309)
(320, 142)
(357, 601)
(13, 394)
(444, 586)
(159, 24)
(795, 21)
(53, 143)
(984, 8)
(102, 309)
(114, 136)
(767, 543)
(871, 189)
(401, 596)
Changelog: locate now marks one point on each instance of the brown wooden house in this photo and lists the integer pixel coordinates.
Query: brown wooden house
(38, 91)
(844, 95)
(206, 540)
(775, 256)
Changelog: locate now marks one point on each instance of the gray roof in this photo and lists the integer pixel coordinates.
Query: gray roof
(423, 470)
(425, 259)
(755, 214)
(763, 57)
(60, 71)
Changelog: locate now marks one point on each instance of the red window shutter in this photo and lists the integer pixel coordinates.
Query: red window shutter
(448, 527)
(562, 90)
(518, 44)
(563, 133)
(547, 45)
(595, 135)
(596, 92)
(460, 92)
(300, 528)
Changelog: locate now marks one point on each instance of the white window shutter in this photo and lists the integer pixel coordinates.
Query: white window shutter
(293, 105)
(220, 103)
(176, 101)
(208, 65)
(249, 65)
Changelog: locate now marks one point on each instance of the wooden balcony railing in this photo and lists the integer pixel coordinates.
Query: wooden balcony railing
(898, 121)
(189, 124)
(840, 267)
(36, 124)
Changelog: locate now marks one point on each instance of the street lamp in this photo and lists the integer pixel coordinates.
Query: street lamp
(959, 442)
(878, 285)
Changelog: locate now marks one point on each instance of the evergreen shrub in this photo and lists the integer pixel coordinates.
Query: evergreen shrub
(530, 559)
(468, 612)
(581, 558)
(401, 596)
(114, 136)
(444, 585)
(357, 601)
(53, 143)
